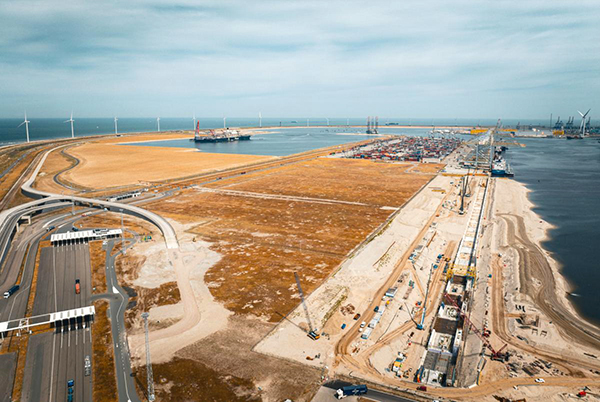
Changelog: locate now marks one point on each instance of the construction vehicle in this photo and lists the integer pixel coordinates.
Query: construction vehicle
(312, 332)
(497, 355)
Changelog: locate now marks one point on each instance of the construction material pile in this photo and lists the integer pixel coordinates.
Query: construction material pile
(404, 148)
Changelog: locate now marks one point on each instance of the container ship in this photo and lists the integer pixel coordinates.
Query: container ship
(226, 135)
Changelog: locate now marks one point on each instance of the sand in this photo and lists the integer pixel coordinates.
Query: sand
(105, 165)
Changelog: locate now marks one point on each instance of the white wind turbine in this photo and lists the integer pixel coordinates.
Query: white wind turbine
(26, 122)
(116, 130)
(71, 121)
(259, 119)
(582, 126)
(194, 118)
(327, 120)
(224, 122)
(158, 123)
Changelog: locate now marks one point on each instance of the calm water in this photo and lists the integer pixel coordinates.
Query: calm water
(284, 141)
(564, 177)
(43, 129)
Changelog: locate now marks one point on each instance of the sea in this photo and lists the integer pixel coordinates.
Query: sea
(564, 179)
(45, 129)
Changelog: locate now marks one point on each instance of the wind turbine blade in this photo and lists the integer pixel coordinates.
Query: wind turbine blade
(586, 113)
(580, 113)
(66, 121)
(20, 124)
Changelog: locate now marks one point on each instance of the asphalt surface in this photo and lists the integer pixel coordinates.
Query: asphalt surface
(371, 394)
(118, 300)
(58, 270)
(8, 364)
(53, 358)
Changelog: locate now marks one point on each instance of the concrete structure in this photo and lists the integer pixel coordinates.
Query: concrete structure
(84, 236)
(69, 319)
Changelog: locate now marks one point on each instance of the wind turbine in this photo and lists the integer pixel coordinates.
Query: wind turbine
(583, 116)
(327, 120)
(194, 118)
(158, 123)
(259, 119)
(71, 121)
(224, 122)
(116, 131)
(26, 122)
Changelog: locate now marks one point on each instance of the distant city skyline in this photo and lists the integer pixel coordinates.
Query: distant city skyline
(336, 59)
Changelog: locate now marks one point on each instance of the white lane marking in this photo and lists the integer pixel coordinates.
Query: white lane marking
(52, 367)
(115, 291)
(69, 339)
(54, 270)
(61, 337)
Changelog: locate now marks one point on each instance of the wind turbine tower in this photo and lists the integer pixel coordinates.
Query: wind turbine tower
(71, 121)
(116, 129)
(158, 124)
(26, 122)
(583, 122)
(327, 120)
(194, 118)
(259, 119)
(224, 122)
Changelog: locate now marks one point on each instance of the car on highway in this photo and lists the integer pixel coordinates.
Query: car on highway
(540, 380)
(87, 366)
(70, 383)
(77, 286)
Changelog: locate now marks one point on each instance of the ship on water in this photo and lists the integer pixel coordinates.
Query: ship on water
(500, 168)
(225, 135)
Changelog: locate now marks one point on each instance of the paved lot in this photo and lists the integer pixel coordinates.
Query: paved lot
(52, 360)
(8, 363)
(59, 267)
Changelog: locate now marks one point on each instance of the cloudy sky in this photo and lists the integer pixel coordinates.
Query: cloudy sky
(511, 59)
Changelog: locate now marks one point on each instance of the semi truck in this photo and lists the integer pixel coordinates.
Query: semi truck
(351, 390)
(10, 291)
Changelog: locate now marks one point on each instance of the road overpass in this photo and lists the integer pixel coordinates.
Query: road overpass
(47, 197)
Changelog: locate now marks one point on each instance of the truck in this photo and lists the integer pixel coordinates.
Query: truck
(11, 291)
(351, 390)
(77, 286)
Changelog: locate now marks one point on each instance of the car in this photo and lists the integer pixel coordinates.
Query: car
(70, 383)
(363, 324)
(540, 380)
(421, 388)
(376, 309)
(357, 316)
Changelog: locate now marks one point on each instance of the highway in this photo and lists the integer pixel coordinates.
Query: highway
(118, 300)
(328, 390)
(53, 358)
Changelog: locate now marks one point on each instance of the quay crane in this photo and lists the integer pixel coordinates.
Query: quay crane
(497, 355)
(312, 332)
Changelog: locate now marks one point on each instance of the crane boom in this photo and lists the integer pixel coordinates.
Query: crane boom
(312, 331)
(496, 354)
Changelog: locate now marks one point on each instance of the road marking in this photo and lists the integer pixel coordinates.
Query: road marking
(61, 337)
(52, 366)
(115, 291)
(68, 338)
(54, 270)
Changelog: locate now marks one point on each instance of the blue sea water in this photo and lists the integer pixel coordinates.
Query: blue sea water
(44, 129)
(564, 179)
(284, 141)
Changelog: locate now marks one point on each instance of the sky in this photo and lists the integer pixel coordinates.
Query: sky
(439, 58)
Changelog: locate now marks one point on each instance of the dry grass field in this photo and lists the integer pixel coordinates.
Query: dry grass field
(264, 240)
(55, 162)
(105, 165)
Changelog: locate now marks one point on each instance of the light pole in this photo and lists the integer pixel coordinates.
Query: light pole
(122, 233)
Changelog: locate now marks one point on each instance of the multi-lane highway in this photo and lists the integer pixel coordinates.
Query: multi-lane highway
(56, 357)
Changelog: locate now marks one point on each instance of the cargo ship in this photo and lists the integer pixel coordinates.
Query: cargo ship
(226, 135)
(501, 169)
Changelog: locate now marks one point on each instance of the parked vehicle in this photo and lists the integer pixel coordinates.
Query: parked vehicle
(421, 388)
(11, 291)
(540, 380)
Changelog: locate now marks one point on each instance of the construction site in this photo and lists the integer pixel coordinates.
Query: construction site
(401, 262)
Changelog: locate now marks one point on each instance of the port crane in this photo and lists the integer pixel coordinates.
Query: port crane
(312, 332)
(497, 355)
